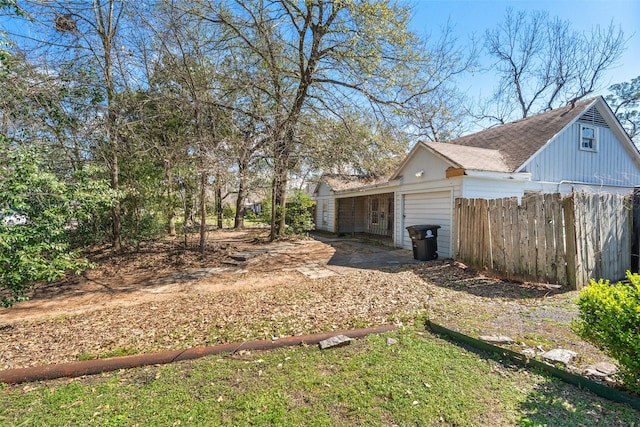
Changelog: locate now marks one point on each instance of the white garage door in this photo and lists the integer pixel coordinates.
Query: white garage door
(429, 208)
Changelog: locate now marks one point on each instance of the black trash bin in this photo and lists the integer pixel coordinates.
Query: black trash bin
(424, 239)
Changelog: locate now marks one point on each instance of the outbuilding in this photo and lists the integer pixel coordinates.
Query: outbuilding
(579, 147)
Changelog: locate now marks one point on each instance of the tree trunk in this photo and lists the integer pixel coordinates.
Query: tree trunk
(172, 223)
(116, 226)
(106, 31)
(278, 195)
(220, 223)
(188, 207)
(242, 174)
(171, 215)
(203, 203)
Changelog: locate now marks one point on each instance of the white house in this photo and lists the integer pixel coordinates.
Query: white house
(579, 147)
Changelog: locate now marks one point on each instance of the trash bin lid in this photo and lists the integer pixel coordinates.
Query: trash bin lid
(423, 227)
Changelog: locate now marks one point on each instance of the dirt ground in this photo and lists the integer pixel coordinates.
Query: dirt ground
(243, 287)
(163, 270)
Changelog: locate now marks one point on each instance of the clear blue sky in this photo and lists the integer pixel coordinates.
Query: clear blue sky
(475, 16)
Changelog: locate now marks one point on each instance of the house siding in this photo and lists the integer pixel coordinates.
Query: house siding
(563, 160)
(325, 214)
(483, 188)
(433, 167)
(324, 197)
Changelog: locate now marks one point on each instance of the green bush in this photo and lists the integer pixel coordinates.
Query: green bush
(610, 319)
(299, 214)
(39, 250)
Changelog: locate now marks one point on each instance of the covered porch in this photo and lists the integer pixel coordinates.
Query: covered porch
(371, 214)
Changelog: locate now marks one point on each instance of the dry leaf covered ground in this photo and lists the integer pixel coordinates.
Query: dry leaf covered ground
(244, 288)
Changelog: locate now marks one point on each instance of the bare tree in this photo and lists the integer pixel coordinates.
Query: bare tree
(318, 56)
(543, 63)
(625, 101)
(59, 33)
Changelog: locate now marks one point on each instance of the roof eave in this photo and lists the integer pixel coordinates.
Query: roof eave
(390, 183)
(516, 176)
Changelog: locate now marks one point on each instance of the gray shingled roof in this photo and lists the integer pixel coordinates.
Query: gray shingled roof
(473, 158)
(516, 141)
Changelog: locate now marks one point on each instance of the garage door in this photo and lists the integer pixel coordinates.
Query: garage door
(429, 208)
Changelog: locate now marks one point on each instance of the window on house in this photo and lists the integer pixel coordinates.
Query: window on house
(588, 138)
(325, 214)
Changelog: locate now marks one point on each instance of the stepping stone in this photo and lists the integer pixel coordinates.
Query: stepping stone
(499, 339)
(603, 368)
(336, 341)
(314, 271)
(559, 355)
(594, 374)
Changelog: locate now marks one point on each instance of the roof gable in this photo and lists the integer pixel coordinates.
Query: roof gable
(518, 141)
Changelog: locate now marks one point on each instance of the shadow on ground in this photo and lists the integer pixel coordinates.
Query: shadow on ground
(445, 273)
(452, 276)
(357, 254)
(549, 404)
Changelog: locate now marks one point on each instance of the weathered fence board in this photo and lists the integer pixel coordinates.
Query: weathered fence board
(547, 239)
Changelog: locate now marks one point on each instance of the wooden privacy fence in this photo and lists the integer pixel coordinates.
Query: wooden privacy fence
(546, 238)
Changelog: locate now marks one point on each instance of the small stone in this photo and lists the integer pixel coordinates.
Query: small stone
(500, 339)
(594, 374)
(605, 367)
(529, 352)
(336, 341)
(559, 355)
(392, 341)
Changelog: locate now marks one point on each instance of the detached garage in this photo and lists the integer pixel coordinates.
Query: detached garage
(579, 147)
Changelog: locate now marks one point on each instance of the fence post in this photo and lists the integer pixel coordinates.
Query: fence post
(570, 241)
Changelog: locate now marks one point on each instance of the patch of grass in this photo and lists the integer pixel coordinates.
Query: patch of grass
(85, 355)
(117, 352)
(534, 340)
(120, 351)
(422, 380)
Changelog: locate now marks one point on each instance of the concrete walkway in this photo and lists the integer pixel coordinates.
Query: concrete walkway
(353, 254)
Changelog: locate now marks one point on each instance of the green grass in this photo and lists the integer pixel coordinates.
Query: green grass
(120, 351)
(422, 380)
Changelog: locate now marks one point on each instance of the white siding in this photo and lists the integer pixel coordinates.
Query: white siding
(562, 160)
(433, 167)
(325, 220)
(323, 190)
(483, 188)
(429, 208)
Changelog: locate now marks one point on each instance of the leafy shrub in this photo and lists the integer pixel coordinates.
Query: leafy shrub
(610, 319)
(299, 214)
(228, 212)
(41, 249)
